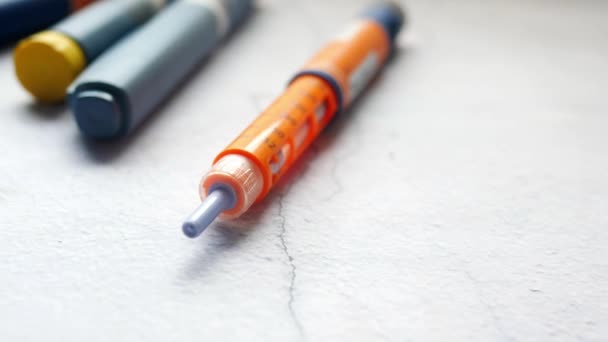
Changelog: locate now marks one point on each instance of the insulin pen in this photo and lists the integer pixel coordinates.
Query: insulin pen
(47, 62)
(19, 18)
(248, 168)
(113, 96)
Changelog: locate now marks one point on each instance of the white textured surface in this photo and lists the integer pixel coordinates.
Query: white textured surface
(464, 198)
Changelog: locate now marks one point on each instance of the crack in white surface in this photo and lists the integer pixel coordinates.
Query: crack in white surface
(292, 272)
(293, 268)
(336, 180)
(338, 160)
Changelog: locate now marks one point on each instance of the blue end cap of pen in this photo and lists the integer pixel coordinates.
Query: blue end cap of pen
(390, 15)
(98, 113)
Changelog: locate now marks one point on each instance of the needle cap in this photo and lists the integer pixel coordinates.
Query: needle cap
(218, 200)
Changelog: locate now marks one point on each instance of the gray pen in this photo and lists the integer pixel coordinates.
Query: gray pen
(48, 62)
(117, 92)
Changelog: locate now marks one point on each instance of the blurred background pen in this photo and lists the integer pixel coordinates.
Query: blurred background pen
(47, 62)
(19, 18)
(125, 85)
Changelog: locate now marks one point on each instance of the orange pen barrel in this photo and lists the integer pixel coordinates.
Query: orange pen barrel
(275, 140)
(249, 167)
(351, 60)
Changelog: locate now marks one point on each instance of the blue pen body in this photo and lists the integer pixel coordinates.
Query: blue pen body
(19, 18)
(115, 94)
(103, 23)
(47, 62)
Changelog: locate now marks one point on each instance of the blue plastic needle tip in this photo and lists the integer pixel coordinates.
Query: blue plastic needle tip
(216, 202)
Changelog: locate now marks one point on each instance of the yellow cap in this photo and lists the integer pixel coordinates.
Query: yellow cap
(46, 63)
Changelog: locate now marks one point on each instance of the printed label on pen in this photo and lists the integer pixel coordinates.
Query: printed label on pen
(363, 74)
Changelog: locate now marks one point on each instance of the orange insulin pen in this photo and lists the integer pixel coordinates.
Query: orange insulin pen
(251, 165)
